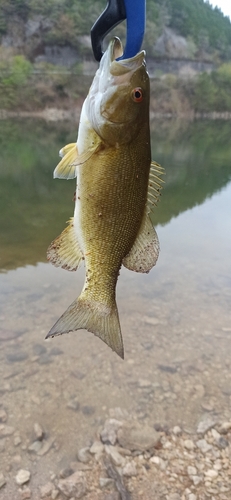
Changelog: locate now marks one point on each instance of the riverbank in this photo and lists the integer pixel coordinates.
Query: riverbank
(56, 114)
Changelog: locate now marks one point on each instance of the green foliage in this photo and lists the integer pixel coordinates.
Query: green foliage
(14, 73)
(213, 92)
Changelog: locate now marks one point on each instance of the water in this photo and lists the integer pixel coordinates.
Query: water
(175, 321)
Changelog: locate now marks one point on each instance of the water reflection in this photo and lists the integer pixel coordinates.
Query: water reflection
(175, 321)
(34, 207)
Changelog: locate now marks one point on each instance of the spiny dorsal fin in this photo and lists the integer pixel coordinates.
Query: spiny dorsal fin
(154, 184)
(144, 253)
(65, 251)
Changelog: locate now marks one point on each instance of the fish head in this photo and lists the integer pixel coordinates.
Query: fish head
(118, 101)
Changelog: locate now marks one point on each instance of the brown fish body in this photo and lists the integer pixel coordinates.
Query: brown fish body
(111, 225)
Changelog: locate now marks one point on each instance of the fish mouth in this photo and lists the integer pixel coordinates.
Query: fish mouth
(118, 67)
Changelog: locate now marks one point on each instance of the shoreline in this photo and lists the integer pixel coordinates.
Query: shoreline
(56, 114)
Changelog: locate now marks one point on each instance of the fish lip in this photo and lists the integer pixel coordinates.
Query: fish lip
(115, 66)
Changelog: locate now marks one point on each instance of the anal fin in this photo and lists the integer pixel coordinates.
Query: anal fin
(145, 251)
(65, 251)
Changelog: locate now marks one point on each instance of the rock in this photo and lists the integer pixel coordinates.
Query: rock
(189, 444)
(55, 351)
(3, 415)
(115, 456)
(39, 349)
(17, 356)
(46, 447)
(45, 491)
(196, 480)
(35, 447)
(66, 472)
(97, 448)
(2, 480)
(144, 383)
(192, 471)
(17, 440)
(74, 485)
(192, 496)
(83, 455)
(88, 410)
(54, 494)
(211, 474)
(203, 445)
(130, 469)
(25, 494)
(136, 437)
(205, 425)
(177, 430)
(38, 432)
(225, 427)
(174, 496)
(162, 464)
(22, 477)
(6, 430)
(104, 482)
(109, 432)
(73, 404)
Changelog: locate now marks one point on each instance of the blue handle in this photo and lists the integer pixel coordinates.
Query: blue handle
(135, 14)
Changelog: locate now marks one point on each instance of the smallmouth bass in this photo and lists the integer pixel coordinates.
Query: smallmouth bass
(116, 185)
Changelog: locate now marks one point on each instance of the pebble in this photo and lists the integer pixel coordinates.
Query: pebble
(3, 415)
(74, 485)
(203, 445)
(211, 473)
(205, 425)
(25, 493)
(17, 440)
(189, 444)
(73, 404)
(133, 436)
(115, 456)
(97, 448)
(225, 427)
(2, 480)
(22, 477)
(104, 482)
(39, 433)
(109, 432)
(6, 430)
(83, 455)
(130, 469)
(17, 356)
(45, 491)
(88, 410)
(35, 447)
(46, 447)
(192, 471)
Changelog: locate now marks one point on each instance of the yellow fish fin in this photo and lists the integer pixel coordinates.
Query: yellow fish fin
(66, 149)
(144, 252)
(94, 317)
(64, 251)
(154, 184)
(65, 168)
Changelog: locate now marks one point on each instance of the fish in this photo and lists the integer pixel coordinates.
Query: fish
(117, 187)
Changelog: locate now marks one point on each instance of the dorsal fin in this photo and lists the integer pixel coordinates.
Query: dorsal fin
(154, 184)
(65, 251)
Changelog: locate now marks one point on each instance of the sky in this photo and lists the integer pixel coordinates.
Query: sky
(224, 5)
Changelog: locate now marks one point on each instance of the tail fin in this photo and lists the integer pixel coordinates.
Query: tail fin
(95, 317)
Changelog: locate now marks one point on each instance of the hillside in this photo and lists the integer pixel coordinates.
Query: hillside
(45, 46)
(37, 28)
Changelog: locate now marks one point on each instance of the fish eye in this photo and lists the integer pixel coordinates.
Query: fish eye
(137, 94)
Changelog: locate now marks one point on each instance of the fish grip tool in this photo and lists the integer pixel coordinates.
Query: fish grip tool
(115, 12)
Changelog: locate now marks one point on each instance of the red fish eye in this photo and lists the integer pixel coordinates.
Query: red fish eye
(137, 94)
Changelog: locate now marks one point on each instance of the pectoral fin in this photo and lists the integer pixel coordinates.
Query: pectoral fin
(144, 253)
(66, 168)
(65, 251)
